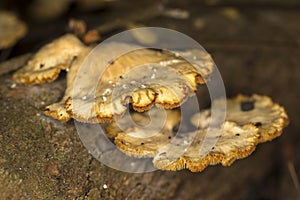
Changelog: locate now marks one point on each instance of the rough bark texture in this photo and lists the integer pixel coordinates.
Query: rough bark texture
(258, 52)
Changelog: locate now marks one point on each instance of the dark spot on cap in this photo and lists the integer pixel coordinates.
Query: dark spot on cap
(41, 66)
(247, 105)
(237, 134)
(169, 137)
(258, 124)
(176, 128)
(111, 62)
(142, 143)
(121, 77)
(164, 154)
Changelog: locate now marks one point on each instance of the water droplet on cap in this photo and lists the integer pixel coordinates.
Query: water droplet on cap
(107, 91)
(104, 98)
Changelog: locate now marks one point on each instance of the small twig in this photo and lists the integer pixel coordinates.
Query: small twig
(14, 63)
(294, 176)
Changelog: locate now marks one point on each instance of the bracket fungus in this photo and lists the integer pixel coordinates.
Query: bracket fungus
(148, 77)
(12, 29)
(269, 117)
(68, 53)
(241, 131)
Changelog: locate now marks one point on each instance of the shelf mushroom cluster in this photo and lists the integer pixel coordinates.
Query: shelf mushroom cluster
(165, 81)
(244, 127)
